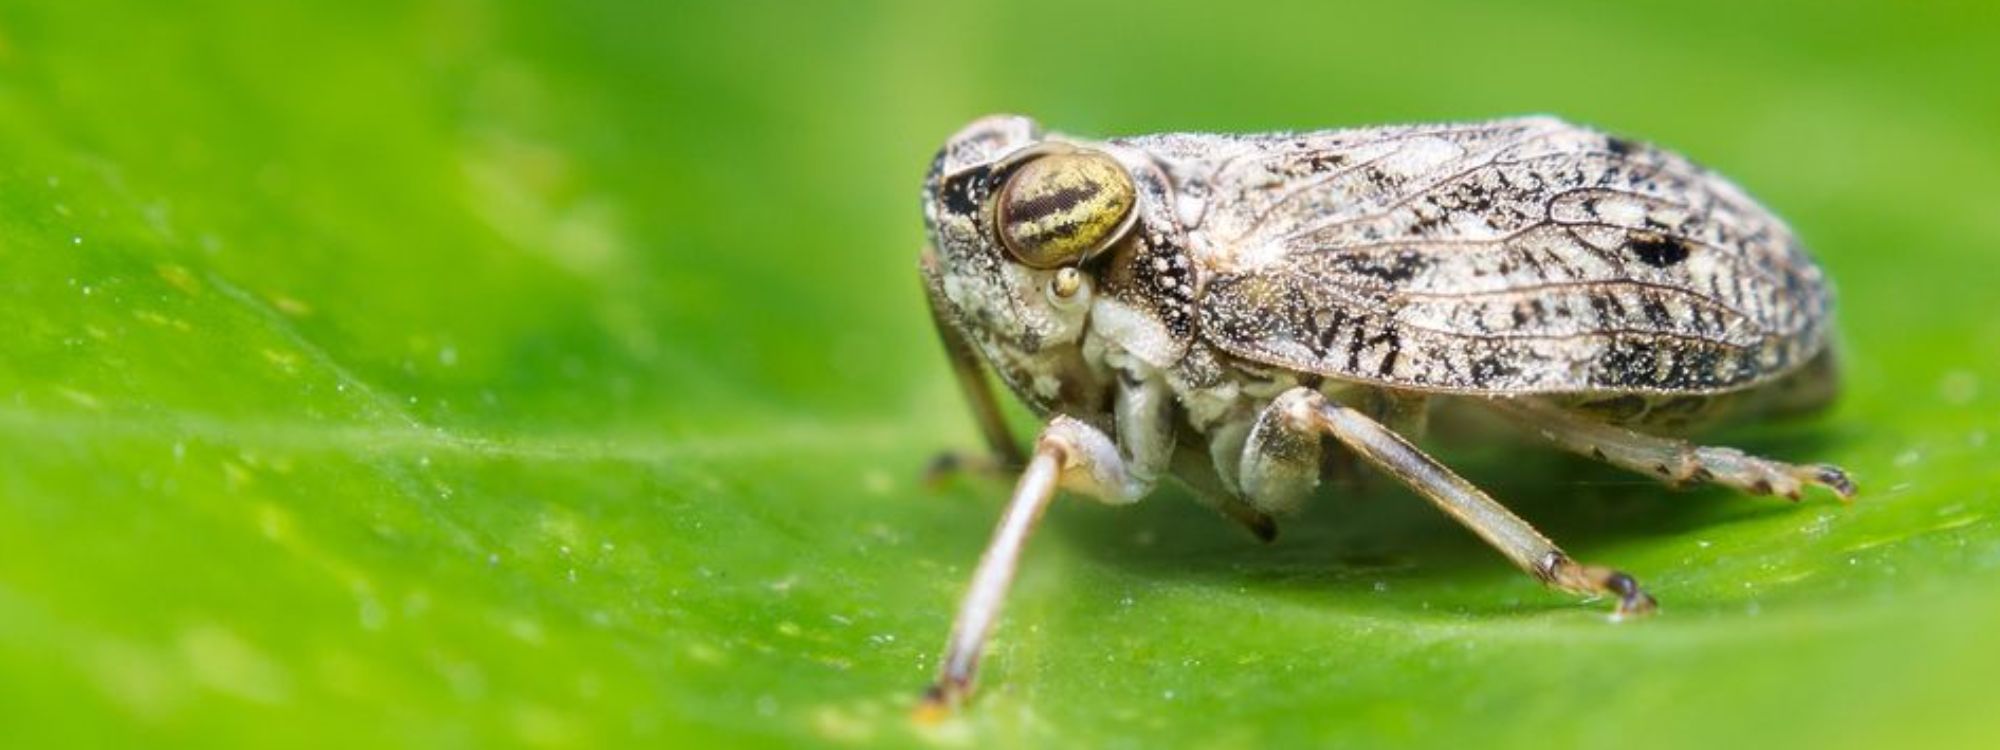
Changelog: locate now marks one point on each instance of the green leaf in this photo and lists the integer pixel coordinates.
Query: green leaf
(469, 374)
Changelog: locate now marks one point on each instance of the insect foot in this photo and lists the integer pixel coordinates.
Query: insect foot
(940, 700)
(1834, 478)
(1563, 573)
(1759, 476)
(948, 465)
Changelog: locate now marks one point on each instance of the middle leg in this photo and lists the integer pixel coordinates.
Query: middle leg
(1294, 422)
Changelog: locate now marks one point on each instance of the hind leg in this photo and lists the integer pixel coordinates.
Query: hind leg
(1299, 417)
(1676, 462)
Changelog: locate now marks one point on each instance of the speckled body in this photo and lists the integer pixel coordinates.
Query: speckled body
(1523, 257)
(1222, 308)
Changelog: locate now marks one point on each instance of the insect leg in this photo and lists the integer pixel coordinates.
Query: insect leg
(1145, 419)
(1673, 461)
(1457, 497)
(1196, 468)
(1069, 454)
(1279, 464)
(1003, 454)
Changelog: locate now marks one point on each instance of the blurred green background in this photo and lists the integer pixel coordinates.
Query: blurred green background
(556, 374)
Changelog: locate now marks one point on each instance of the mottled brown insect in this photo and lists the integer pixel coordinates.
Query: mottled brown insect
(1215, 307)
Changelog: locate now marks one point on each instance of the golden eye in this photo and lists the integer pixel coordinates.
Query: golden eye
(1061, 208)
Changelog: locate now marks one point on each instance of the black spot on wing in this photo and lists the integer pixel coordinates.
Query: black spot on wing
(1490, 369)
(1389, 269)
(1657, 251)
(1393, 338)
(1670, 364)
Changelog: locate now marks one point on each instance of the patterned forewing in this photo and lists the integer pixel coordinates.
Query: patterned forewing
(1510, 257)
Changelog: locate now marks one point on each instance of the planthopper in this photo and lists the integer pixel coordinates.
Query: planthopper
(1225, 310)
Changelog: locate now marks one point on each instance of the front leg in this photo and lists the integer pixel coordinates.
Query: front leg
(1290, 428)
(1002, 453)
(1068, 455)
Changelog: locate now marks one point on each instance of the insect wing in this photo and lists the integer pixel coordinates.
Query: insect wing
(1517, 256)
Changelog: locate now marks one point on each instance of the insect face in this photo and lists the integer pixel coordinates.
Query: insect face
(1012, 218)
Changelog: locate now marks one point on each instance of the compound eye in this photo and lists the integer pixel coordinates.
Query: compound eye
(1061, 208)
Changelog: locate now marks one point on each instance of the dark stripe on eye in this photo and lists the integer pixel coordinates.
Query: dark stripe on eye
(1061, 231)
(1046, 204)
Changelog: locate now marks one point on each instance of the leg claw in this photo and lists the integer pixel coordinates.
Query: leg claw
(939, 702)
(949, 464)
(1832, 478)
(1632, 600)
(1563, 573)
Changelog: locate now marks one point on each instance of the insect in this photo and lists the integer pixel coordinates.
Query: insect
(1221, 309)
